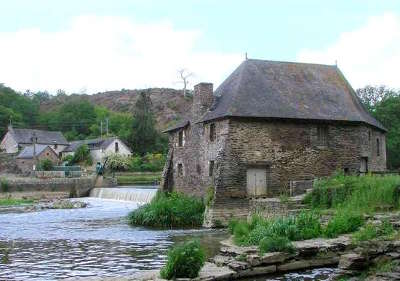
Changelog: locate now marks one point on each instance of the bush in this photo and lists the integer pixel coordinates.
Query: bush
(276, 244)
(117, 162)
(69, 159)
(184, 261)
(209, 195)
(82, 155)
(343, 222)
(148, 163)
(371, 231)
(4, 185)
(169, 210)
(45, 165)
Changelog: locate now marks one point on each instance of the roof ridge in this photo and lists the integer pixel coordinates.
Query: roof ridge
(293, 62)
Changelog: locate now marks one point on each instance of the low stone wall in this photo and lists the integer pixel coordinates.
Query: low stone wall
(49, 174)
(78, 187)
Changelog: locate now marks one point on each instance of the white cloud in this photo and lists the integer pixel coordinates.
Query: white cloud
(107, 53)
(368, 55)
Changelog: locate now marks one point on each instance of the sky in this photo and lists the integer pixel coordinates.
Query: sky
(89, 46)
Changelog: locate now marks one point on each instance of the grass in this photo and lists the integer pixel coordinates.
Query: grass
(372, 231)
(343, 222)
(184, 261)
(169, 211)
(14, 201)
(138, 178)
(4, 187)
(276, 244)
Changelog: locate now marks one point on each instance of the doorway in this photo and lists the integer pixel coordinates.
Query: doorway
(257, 181)
(364, 165)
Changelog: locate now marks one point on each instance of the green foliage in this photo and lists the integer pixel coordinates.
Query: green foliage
(345, 221)
(45, 165)
(184, 261)
(368, 232)
(4, 185)
(276, 244)
(168, 211)
(363, 194)
(14, 201)
(209, 195)
(118, 162)
(138, 178)
(69, 159)
(147, 163)
(82, 155)
(384, 104)
(305, 225)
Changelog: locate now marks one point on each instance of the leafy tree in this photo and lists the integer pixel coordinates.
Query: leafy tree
(384, 104)
(82, 155)
(144, 134)
(45, 165)
(118, 162)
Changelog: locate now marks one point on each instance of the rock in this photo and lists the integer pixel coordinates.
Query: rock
(238, 265)
(257, 271)
(352, 261)
(268, 258)
(57, 204)
(221, 260)
(324, 260)
(230, 249)
(212, 272)
(294, 265)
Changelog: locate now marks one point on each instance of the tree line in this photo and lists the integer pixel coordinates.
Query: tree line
(80, 119)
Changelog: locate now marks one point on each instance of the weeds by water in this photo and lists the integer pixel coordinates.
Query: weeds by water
(4, 187)
(14, 202)
(169, 210)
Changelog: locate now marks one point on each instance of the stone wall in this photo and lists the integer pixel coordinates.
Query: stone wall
(79, 186)
(8, 163)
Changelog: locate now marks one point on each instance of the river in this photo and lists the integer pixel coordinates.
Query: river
(93, 241)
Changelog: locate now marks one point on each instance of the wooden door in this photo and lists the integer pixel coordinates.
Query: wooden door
(256, 182)
(364, 165)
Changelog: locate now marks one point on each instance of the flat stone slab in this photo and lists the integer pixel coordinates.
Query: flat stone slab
(211, 271)
(229, 248)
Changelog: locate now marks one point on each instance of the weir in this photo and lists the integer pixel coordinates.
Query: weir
(139, 195)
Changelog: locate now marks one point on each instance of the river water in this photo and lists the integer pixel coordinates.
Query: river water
(93, 241)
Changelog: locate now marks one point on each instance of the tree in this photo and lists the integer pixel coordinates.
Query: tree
(82, 155)
(144, 135)
(384, 104)
(184, 74)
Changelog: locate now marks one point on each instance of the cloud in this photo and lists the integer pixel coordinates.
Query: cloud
(367, 55)
(107, 53)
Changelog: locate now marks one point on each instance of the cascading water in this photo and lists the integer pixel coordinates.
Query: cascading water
(139, 195)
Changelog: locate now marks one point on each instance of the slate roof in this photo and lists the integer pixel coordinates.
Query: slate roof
(24, 136)
(273, 89)
(179, 125)
(27, 152)
(93, 144)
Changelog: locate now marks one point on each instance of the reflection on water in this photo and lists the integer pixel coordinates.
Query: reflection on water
(95, 241)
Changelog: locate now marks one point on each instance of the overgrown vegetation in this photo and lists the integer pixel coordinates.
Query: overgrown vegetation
(4, 185)
(184, 261)
(169, 210)
(45, 165)
(372, 231)
(82, 156)
(14, 201)
(138, 178)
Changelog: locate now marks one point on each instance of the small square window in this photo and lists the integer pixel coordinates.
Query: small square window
(180, 170)
(211, 169)
(213, 133)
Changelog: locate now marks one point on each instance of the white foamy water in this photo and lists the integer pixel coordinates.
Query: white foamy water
(137, 195)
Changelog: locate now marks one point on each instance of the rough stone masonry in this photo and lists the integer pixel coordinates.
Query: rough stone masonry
(268, 126)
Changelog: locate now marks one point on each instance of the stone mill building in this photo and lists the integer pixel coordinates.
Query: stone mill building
(270, 128)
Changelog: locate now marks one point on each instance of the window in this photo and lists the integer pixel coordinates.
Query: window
(346, 171)
(369, 135)
(180, 138)
(55, 146)
(180, 170)
(212, 132)
(378, 148)
(322, 135)
(211, 168)
(116, 147)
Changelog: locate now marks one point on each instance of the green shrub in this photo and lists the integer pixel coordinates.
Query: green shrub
(366, 233)
(45, 165)
(117, 162)
(232, 224)
(209, 195)
(69, 159)
(4, 187)
(308, 225)
(184, 261)
(82, 155)
(385, 228)
(276, 244)
(148, 163)
(240, 232)
(169, 210)
(343, 222)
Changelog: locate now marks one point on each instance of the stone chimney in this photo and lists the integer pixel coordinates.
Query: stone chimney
(203, 98)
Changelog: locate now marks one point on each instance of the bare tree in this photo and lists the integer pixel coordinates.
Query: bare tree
(184, 74)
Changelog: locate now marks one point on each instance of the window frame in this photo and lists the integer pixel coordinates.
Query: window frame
(211, 166)
(213, 132)
(180, 169)
(378, 147)
(181, 138)
(322, 135)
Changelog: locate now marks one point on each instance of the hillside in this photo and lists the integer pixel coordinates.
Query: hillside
(169, 105)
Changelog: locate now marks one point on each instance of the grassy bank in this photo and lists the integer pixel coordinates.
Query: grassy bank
(347, 198)
(169, 211)
(14, 201)
(138, 178)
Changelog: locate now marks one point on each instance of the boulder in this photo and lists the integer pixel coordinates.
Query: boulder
(261, 270)
(352, 261)
(268, 258)
(294, 265)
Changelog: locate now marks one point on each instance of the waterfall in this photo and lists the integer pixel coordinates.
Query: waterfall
(139, 195)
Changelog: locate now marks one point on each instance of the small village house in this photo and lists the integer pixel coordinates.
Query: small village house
(270, 129)
(99, 148)
(17, 139)
(30, 156)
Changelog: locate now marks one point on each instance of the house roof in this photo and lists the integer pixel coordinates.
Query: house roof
(93, 144)
(179, 125)
(272, 89)
(24, 136)
(27, 152)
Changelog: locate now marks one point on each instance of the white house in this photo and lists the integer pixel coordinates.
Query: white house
(99, 148)
(17, 139)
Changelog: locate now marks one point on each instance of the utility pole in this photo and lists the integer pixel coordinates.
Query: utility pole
(101, 129)
(34, 141)
(107, 126)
